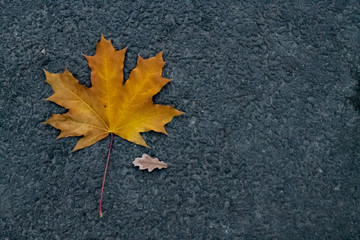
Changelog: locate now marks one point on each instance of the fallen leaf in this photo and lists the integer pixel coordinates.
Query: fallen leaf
(110, 106)
(149, 163)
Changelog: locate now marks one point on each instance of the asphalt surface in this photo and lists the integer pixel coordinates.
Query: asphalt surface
(269, 147)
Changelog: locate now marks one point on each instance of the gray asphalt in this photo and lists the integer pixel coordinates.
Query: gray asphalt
(269, 147)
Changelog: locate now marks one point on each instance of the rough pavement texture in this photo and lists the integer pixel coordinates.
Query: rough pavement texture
(269, 147)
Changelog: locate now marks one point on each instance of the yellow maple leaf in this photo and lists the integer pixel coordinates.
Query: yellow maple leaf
(110, 106)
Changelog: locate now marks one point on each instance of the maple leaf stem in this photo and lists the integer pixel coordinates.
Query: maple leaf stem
(103, 183)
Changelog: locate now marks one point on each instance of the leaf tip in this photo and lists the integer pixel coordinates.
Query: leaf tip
(140, 59)
(103, 39)
(159, 57)
(61, 135)
(47, 74)
(75, 148)
(101, 214)
(179, 113)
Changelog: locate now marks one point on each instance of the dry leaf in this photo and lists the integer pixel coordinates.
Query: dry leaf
(149, 163)
(110, 106)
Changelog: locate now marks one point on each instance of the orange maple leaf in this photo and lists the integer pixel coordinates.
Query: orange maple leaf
(110, 106)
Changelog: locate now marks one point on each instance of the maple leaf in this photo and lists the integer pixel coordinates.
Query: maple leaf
(149, 163)
(110, 106)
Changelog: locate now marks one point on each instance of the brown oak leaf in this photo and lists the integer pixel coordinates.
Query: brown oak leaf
(149, 163)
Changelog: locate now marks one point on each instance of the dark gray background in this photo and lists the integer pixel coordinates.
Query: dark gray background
(269, 146)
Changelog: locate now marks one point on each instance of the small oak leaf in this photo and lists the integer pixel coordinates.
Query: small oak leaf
(149, 163)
